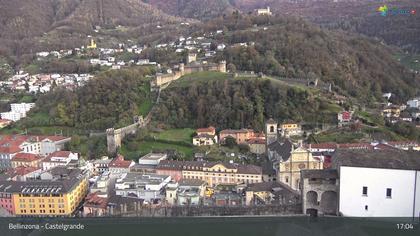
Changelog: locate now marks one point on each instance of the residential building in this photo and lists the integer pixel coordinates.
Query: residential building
(257, 145)
(6, 199)
(4, 123)
(95, 205)
(22, 173)
(149, 187)
(391, 111)
(50, 144)
(119, 165)
(186, 192)
(290, 129)
(58, 192)
(378, 183)
(100, 184)
(17, 111)
(344, 117)
(59, 158)
(214, 173)
(26, 159)
(204, 140)
(153, 159)
(267, 193)
(241, 136)
(10, 145)
(101, 165)
(210, 131)
(414, 103)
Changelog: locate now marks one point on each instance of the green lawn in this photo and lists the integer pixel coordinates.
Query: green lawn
(176, 135)
(339, 137)
(200, 77)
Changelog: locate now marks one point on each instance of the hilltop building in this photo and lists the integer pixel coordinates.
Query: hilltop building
(264, 11)
(92, 44)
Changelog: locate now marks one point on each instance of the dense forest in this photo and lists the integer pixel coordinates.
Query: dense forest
(238, 103)
(357, 66)
(112, 99)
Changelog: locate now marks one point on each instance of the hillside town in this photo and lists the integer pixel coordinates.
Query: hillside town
(278, 166)
(41, 178)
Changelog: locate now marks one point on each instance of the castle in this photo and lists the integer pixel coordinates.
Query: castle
(192, 66)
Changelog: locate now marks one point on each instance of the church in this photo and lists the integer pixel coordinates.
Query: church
(288, 158)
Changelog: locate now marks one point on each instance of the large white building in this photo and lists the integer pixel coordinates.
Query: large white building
(378, 183)
(17, 111)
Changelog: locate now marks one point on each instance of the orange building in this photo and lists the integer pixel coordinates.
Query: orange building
(241, 135)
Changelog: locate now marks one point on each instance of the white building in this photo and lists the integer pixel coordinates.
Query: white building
(143, 186)
(153, 158)
(18, 111)
(264, 11)
(59, 158)
(414, 103)
(378, 183)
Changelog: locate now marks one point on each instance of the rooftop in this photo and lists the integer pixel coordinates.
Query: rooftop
(386, 159)
(319, 174)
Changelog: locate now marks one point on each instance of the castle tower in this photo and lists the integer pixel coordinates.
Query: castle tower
(271, 131)
(182, 68)
(222, 66)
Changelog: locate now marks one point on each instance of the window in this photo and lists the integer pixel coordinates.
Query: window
(366, 207)
(271, 129)
(389, 192)
(287, 179)
(365, 191)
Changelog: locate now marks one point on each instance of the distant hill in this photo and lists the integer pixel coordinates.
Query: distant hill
(356, 15)
(358, 66)
(21, 21)
(198, 9)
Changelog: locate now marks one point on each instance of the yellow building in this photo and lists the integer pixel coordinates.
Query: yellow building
(299, 159)
(391, 111)
(92, 44)
(58, 193)
(290, 129)
(215, 173)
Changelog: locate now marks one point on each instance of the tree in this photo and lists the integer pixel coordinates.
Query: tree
(230, 142)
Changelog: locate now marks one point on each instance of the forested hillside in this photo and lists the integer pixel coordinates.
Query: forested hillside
(237, 103)
(112, 99)
(357, 66)
(199, 9)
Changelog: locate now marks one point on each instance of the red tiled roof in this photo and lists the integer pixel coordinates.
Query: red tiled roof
(119, 162)
(25, 157)
(235, 131)
(355, 146)
(21, 170)
(210, 129)
(60, 154)
(322, 145)
(256, 141)
(93, 200)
